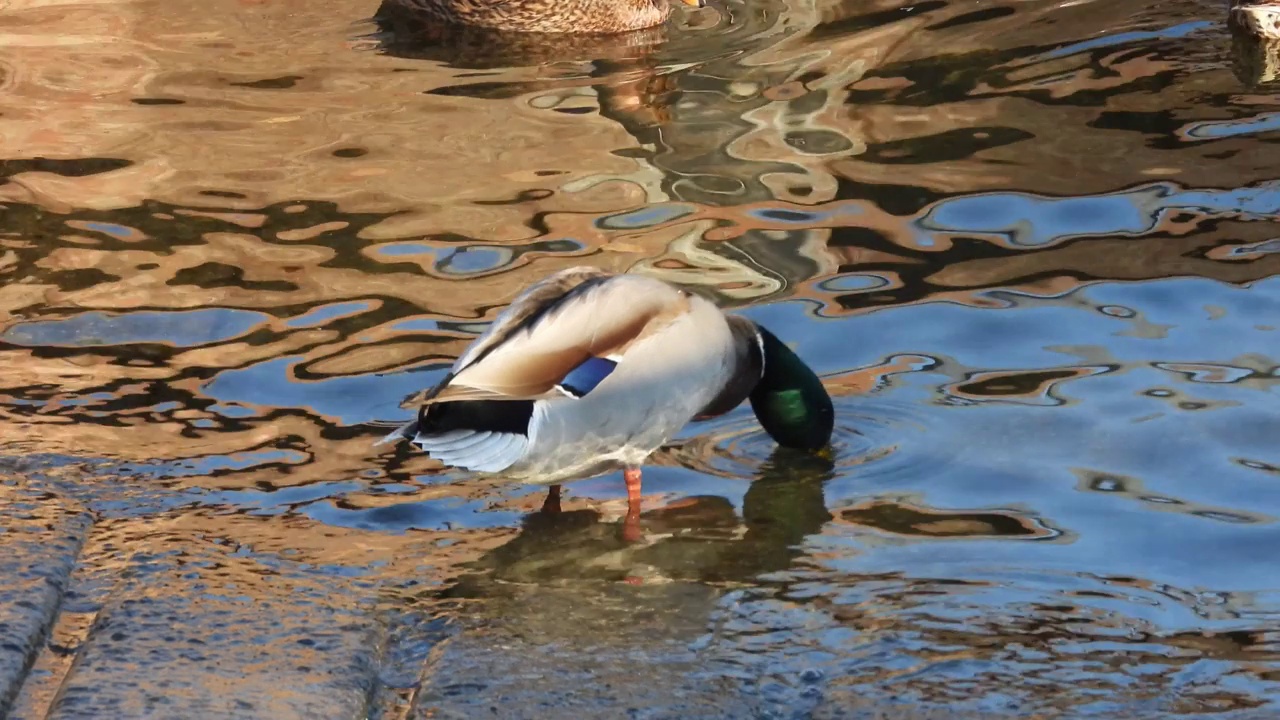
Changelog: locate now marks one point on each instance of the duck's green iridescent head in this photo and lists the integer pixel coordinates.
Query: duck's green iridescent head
(790, 400)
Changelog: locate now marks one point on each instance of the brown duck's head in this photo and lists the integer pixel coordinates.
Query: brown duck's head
(665, 5)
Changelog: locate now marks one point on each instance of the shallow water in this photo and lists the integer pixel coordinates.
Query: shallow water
(1030, 244)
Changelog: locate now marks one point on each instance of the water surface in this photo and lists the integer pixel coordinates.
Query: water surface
(1031, 245)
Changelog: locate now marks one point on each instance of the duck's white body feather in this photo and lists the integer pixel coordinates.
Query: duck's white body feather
(675, 352)
(624, 419)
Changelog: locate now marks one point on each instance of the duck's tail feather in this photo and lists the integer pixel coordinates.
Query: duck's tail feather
(476, 435)
(404, 432)
(474, 450)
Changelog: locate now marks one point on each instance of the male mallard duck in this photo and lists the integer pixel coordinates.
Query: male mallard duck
(549, 16)
(589, 371)
(1257, 18)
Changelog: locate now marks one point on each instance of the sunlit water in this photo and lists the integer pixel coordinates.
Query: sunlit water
(1031, 245)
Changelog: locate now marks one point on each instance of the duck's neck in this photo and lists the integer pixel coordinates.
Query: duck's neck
(745, 364)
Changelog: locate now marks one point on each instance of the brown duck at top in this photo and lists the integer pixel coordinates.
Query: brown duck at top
(549, 16)
(1259, 18)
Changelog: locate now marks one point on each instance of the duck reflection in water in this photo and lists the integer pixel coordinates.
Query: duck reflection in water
(697, 538)
(623, 67)
(587, 372)
(704, 539)
(688, 145)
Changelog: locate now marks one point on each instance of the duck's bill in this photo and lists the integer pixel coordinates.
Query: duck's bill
(695, 3)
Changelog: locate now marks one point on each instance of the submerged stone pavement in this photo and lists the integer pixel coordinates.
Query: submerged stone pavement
(120, 599)
(176, 615)
(157, 618)
(185, 613)
(123, 604)
(125, 597)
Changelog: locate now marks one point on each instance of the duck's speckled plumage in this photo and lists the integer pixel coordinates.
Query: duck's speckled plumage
(546, 16)
(411, 33)
(589, 371)
(1257, 18)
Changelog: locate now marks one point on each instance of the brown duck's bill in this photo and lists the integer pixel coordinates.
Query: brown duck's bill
(695, 3)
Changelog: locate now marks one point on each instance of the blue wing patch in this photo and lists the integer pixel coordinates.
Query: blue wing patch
(584, 378)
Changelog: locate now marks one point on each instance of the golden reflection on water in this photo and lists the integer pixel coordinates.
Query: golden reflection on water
(236, 233)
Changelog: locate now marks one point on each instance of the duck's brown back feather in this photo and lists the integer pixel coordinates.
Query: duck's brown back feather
(547, 16)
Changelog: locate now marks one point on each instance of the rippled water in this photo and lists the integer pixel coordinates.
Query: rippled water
(1031, 245)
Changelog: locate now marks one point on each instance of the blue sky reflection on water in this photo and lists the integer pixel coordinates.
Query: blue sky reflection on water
(1030, 221)
(182, 329)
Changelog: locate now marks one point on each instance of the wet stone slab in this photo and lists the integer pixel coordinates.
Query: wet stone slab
(670, 649)
(175, 613)
(40, 538)
(196, 631)
(607, 651)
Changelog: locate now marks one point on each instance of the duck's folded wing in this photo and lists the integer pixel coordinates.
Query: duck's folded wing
(529, 306)
(524, 310)
(554, 330)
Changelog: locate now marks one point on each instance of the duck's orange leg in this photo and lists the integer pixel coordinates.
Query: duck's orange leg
(551, 505)
(631, 526)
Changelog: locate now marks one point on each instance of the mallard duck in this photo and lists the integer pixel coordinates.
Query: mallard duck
(548, 16)
(588, 371)
(1258, 18)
